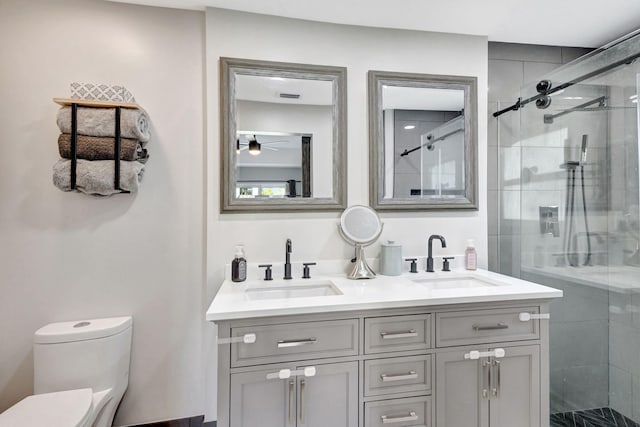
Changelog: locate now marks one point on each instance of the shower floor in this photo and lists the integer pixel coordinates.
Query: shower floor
(603, 417)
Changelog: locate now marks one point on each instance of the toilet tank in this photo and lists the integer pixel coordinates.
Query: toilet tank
(82, 354)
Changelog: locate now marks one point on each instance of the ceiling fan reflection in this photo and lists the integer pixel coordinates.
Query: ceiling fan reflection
(254, 147)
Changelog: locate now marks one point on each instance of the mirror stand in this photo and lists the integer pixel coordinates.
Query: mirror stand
(361, 269)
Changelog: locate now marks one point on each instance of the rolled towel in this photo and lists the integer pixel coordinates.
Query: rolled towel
(97, 177)
(102, 148)
(134, 123)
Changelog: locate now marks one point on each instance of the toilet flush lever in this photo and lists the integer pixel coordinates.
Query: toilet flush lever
(244, 339)
(525, 317)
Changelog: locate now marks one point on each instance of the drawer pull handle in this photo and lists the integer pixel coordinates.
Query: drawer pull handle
(401, 419)
(395, 335)
(500, 325)
(525, 317)
(296, 343)
(244, 339)
(283, 374)
(411, 375)
(475, 355)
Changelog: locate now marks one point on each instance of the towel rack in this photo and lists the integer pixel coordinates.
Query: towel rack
(74, 103)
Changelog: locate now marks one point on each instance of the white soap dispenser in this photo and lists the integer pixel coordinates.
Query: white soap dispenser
(470, 256)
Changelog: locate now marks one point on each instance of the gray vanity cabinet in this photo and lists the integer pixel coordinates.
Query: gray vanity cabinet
(258, 401)
(459, 402)
(490, 391)
(471, 365)
(328, 398)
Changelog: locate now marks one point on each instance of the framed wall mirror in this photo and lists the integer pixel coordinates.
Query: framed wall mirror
(283, 136)
(423, 141)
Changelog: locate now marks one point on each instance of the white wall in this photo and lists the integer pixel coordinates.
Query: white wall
(66, 256)
(315, 237)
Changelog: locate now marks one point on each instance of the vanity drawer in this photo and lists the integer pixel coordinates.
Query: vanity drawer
(397, 375)
(397, 333)
(485, 326)
(295, 341)
(411, 411)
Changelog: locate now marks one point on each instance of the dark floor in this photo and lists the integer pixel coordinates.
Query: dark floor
(603, 417)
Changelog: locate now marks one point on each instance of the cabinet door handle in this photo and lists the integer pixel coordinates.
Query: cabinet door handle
(303, 385)
(395, 335)
(411, 375)
(292, 405)
(399, 419)
(244, 339)
(525, 317)
(296, 343)
(486, 379)
(496, 389)
(499, 325)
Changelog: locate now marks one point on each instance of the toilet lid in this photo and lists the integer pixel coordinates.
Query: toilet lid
(61, 409)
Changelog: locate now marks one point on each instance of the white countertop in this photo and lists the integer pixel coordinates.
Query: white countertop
(231, 301)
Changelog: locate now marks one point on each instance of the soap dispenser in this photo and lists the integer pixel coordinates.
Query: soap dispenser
(470, 256)
(239, 266)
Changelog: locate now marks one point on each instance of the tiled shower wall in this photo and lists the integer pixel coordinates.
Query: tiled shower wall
(510, 67)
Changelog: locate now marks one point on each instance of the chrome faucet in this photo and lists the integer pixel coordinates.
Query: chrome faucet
(430, 250)
(287, 260)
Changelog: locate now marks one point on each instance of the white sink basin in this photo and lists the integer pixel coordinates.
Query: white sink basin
(295, 290)
(456, 282)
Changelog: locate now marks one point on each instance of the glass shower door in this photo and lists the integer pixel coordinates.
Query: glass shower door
(579, 231)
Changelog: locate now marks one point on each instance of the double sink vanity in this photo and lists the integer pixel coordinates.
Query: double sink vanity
(445, 349)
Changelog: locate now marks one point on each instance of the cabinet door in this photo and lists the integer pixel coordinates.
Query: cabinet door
(257, 401)
(459, 390)
(516, 381)
(330, 398)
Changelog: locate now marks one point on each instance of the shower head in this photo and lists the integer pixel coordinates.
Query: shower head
(583, 149)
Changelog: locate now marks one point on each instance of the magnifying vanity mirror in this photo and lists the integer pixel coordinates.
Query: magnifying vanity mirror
(283, 136)
(360, 226)
(423, 141)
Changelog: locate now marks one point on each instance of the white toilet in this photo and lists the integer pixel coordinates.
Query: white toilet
(81, 371)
